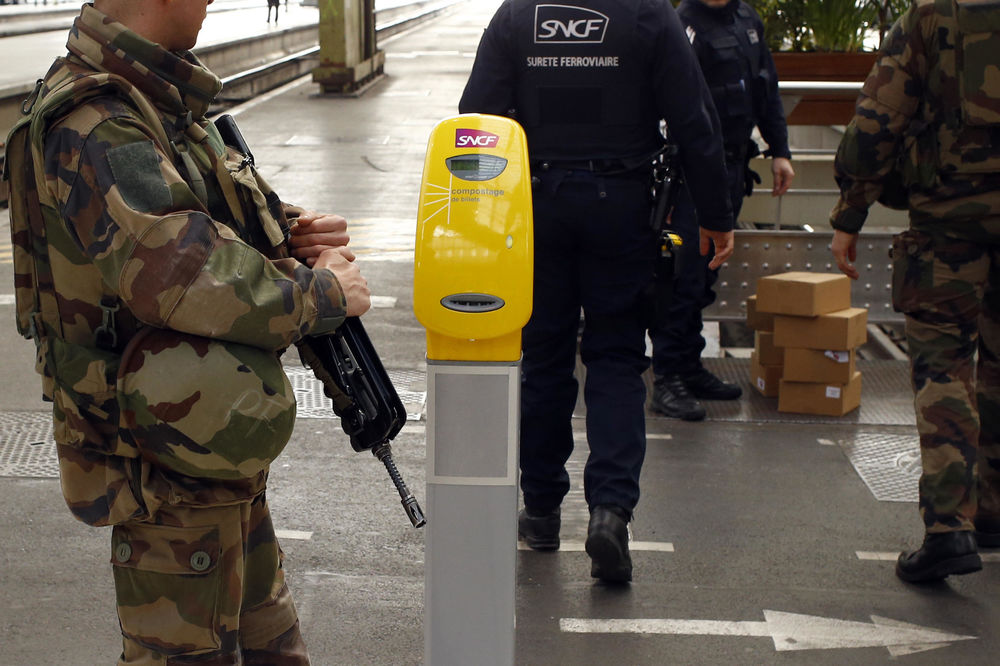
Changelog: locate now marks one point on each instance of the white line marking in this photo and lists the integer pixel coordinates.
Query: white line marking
(644, 546)
(656, 435)
(293, 534)
(876, 556)
(6, 299)
(383, 301)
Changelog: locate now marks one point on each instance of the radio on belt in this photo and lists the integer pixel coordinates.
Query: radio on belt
(473, 256)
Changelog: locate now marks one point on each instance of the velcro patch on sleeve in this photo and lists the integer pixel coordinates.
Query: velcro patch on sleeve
(136, 169)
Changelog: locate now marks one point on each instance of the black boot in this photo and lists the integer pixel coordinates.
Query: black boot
(672, 397)
(987, 531)
(706, 386)
(607, 544)
(942, 555)
(539, 530)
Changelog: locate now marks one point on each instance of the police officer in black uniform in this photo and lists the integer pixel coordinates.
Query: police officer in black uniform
(589, 81)
(728, 38)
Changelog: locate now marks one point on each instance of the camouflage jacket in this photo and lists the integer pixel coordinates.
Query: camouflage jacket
(142, 228)
(926, 131)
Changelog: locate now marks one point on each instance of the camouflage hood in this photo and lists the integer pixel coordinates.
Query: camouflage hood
(177, 83)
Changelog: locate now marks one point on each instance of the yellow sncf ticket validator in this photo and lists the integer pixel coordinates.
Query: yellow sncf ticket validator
(472, 282)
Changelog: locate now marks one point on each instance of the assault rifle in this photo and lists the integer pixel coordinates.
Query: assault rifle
(352, 375)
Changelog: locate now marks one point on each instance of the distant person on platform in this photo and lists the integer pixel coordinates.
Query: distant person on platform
(275, 5)
(728, 38)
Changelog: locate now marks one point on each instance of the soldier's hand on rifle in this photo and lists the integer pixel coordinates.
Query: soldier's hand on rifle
(340, 261)
(724, 242)
(313, 233)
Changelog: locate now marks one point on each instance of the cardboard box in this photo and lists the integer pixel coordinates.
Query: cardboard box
(767, 352)
(765, 378)
(818, 365)
(803, 294)
(844, 329)
(819, 398)
(757, 320)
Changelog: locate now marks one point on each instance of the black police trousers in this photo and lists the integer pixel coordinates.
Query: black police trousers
(594, 250)
(678, 342)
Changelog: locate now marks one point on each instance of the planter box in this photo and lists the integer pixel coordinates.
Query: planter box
(822, 108)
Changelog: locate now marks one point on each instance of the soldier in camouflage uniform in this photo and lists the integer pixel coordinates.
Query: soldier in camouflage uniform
(153, 272)
(926, 137)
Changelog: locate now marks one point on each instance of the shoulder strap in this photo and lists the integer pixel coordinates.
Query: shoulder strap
(27, 228)
(34, 290)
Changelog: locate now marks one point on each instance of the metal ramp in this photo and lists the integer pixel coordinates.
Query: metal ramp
(760, 253)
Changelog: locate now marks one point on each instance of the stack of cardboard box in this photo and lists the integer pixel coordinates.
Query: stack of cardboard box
(766, 360)
(807, 358)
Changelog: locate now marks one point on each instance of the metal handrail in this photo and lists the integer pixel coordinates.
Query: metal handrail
(821, 87)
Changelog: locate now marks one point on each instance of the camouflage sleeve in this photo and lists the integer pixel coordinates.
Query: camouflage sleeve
(132, 213)
(887, 104)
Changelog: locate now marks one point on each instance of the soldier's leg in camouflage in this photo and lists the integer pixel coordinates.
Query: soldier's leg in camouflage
(266, 637)
(987, 518)
(943, 288)
(180, 580)
(937, 283)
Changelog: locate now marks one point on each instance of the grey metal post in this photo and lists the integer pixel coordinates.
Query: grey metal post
(473, 411)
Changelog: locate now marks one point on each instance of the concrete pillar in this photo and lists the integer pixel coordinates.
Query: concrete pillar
(349, 57)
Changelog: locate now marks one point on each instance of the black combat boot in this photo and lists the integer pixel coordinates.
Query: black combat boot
(706, 386)
(539, 530)
(607, 544)
(987, 531)
(942, 555)
(672, 397)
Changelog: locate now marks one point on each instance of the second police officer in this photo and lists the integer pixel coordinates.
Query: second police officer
(590, 82)
(728, 39)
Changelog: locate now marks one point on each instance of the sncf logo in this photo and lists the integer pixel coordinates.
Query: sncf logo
(470, 138)
(565, 24)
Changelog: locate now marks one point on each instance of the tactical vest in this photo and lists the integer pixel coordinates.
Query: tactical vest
(968, 132)
(583, 89)
(727, 53)
(204, 408)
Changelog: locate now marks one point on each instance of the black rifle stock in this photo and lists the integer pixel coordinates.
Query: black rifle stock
(352, 375)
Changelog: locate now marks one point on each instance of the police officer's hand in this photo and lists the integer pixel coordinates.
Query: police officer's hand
(314, 232)
(782, 173)
(724, 242)
(340, 261)
(845, 251)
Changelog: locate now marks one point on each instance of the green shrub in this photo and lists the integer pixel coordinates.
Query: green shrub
(825, 25)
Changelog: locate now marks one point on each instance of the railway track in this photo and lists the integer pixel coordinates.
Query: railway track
(250, 67)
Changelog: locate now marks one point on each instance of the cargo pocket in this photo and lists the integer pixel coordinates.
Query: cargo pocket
(167, 583)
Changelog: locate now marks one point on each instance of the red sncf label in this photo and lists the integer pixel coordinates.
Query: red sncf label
(470, 138)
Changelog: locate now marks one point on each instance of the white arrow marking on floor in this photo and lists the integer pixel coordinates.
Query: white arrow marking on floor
(789, 631)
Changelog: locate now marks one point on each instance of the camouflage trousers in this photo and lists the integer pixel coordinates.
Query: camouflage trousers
(204, 585)
(949, 290)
